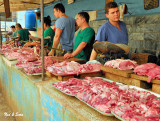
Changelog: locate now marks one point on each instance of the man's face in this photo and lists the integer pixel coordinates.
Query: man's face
(56, 13)
(113, 14)
(45, 26)
(17, 28)
(12, 29)
(79, 20)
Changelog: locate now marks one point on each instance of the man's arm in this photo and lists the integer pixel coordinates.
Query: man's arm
(80, 47)
(18, 37)
(93, 53)
(56, 40)
(34, 38)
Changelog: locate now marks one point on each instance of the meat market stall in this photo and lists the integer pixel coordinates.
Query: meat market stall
(73, 99)
(38, 100)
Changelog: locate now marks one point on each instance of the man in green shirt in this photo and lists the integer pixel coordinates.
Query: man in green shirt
(48, 32)
(84, 40)
(23, 34)
(14, 32)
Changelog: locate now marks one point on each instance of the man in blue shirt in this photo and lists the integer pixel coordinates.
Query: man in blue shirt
(113, 30)
(65, 29)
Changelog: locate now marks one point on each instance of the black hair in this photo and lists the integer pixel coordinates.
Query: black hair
(13, 26)
(85, 15)
(60, 7)
(47, 20)
(110, 5)
(19, 25)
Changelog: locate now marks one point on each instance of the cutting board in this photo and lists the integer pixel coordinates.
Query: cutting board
(61, 58)
(144, 78)
(123, 73)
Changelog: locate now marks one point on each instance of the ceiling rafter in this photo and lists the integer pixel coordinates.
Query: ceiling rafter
(21, 5)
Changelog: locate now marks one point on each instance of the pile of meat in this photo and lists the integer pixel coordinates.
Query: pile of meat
(26, 58)
(33, 70)
(150, 69)
(121, 64)
(147, 110)
(106, 96)
(65, 68)
(25, 64)
(32, 66)
(12, 55)
(5, 48)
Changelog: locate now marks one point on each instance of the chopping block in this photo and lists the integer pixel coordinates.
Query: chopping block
(122, 76)
(142, 80)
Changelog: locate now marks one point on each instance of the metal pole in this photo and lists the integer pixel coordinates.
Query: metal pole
(5, 24)
(0, 33)
(42, 39)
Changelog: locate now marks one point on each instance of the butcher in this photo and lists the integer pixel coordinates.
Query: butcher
(48, 32)
(84, 40)
(65, 29)
(113, 30)
(23, 34)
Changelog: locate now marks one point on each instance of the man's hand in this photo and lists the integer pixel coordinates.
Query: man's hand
(68, 55)
(27, 44)
(51, 53)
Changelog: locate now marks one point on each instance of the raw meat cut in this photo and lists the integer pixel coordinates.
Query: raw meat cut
(151, 70)
(139, 111)
(72, 67)
(153, 73)
(121, 64)
(144, 68)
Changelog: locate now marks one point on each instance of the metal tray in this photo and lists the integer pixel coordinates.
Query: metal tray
(138, 88)
(62, 91)
(64, 74)
(34, 74)
(18, 67)
(118, 116)
(14, 59)
(104, 79)
(74, 73)
(106, 114)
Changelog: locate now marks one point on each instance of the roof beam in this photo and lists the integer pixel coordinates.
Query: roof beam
(7, 8)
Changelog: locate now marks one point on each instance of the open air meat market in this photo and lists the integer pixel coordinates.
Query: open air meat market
(79, 60)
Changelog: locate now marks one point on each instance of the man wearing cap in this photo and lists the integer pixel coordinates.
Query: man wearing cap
(113, 30)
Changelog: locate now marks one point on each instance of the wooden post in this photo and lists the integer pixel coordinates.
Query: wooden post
(42, 39)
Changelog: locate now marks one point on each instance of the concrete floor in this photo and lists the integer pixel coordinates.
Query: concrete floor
(5, 111)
